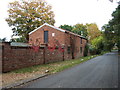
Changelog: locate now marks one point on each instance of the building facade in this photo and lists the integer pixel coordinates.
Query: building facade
(54, 37)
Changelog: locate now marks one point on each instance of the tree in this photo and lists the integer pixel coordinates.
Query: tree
(98, 45)
(3, 39)
(86, 49)
(80, 29)
(116, 1)
(109, 37)
(20, 39)
(112, 29)
(66, 27)
(115, 25)
(93, 31)
(97, 42)
(25, 16)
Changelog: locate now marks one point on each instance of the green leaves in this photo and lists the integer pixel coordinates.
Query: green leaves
(97, 42)
(66, 27)
(112, 29)
(89, 31)
(25, 16)
(80, 29)
(93, 31)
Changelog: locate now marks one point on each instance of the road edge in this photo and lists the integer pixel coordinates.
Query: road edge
(23, 81)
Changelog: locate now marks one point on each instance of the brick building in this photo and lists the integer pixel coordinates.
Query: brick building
(52, 36)
(54, 44)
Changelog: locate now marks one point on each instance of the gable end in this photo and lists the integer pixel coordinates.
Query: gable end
(47, 25)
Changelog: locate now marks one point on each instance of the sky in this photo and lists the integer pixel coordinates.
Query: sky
(68, 12)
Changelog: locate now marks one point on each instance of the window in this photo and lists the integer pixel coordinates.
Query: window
(81, 40)
(68, 49)
(53, 34)
(45, 36)
(80, 49)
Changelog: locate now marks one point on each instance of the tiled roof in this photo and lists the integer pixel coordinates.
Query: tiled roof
(19, 44)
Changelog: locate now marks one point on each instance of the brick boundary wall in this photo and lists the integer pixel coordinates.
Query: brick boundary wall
(0, 58)
(0, 64)
(14, 57)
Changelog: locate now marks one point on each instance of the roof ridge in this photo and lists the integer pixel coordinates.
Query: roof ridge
(47, 25)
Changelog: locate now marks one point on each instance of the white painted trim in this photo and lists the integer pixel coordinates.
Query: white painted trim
(47, 25)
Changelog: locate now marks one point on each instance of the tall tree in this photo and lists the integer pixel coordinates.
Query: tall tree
(109, 37)
(26, 15)
(66, 27)
(80, 29)
(93, 31)
(112, 29)
(115, 23)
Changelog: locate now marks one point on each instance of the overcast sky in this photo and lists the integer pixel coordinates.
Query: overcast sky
(68, 12)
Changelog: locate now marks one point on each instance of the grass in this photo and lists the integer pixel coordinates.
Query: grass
(29, 72)
(71, 63)
(54, 67)
(104, 52)
(30, 69)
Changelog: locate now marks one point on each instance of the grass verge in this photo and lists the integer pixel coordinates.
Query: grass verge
(54, 67)
(29, 72)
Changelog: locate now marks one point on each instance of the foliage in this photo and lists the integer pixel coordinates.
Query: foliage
(108, 45)
(115, 23)
(80, 29)
(25, 16)
(93, 31)
(109, 37)
(97, 45)
(66, 27)
(92, 50)
(112, 29)
(21, 39)
(3, 39)
(97, 42)
(86, 50)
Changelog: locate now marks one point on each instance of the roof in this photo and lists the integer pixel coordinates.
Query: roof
(19, 44)
(62, 30)
(73, 33)
(49, 26)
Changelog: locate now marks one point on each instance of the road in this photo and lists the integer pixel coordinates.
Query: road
(99, 72)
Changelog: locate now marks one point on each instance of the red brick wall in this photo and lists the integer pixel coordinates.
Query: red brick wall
(77, 47)
(76, 42)
(53, 56)
(62, 37)
(0, 57)
(84, 42)
(39, 34)
(19, 57)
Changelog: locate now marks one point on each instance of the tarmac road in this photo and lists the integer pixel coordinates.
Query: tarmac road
(99, 72)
